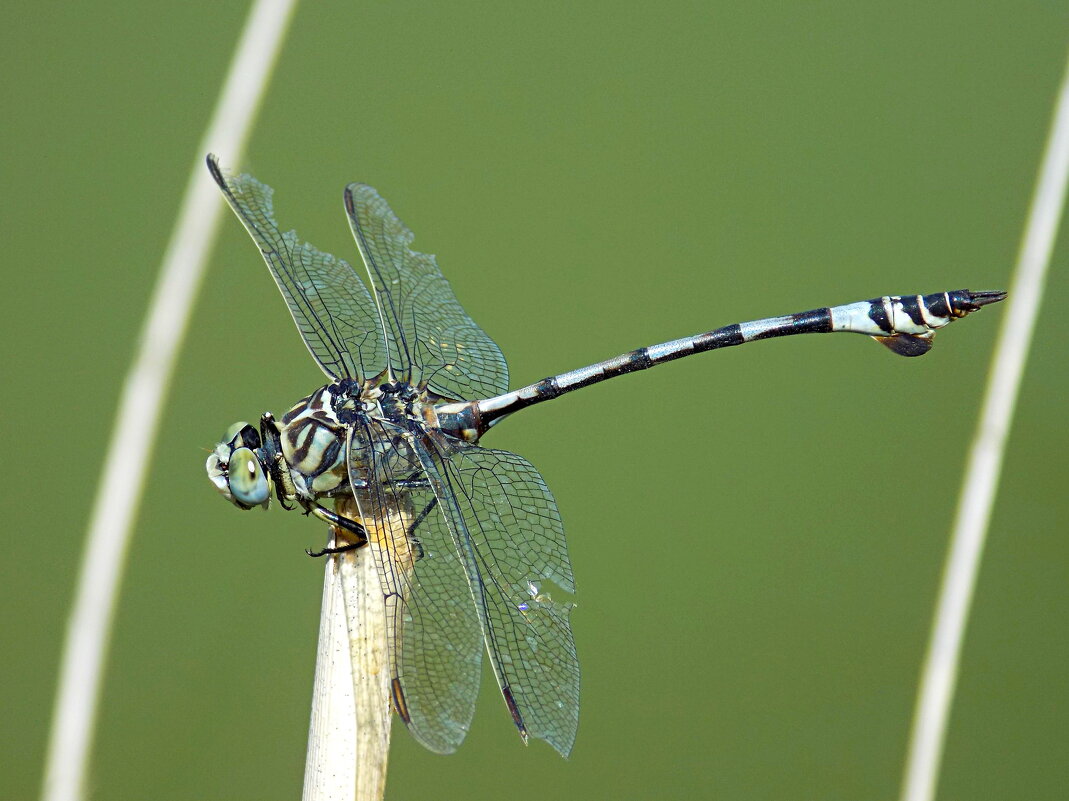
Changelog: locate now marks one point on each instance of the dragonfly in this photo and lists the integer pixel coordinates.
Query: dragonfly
(468, 540)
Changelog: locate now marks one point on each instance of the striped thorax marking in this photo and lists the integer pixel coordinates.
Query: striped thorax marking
(313, 440)
(313, 432)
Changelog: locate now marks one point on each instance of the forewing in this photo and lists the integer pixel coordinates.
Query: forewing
(330, 304)
(433, 635)
(431, 338)
(508, 533)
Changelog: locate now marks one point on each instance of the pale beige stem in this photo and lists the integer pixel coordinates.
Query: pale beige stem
(349, 736)
(940, 671)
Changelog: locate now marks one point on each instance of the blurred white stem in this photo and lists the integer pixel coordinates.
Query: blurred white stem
(134, 429)
(940, 671)
(349, 735)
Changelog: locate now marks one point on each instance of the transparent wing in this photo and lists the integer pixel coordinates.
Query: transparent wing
(434, 640)
(508, 534)
(330, 304)
(431, 338)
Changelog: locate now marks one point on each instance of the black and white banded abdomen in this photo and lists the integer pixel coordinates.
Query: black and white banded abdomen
(906, 324)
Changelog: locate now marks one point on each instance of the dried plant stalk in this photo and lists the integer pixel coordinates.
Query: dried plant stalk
(349, 736)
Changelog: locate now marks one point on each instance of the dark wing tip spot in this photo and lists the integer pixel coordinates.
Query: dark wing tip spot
(217, 171)
(399, 704)
(514, 710)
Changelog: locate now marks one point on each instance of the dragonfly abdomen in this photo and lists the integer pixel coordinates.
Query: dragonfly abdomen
(905, 324)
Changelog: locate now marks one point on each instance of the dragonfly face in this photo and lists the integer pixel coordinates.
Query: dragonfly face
(237, 468)
(468, 541)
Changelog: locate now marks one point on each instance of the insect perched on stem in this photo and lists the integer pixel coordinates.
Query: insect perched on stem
(468, 541)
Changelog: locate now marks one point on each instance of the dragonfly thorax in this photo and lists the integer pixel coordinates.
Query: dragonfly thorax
(313, 434)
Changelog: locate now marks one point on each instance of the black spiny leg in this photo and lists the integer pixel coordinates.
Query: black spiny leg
(356, 530)
(414, 482)
(412, 538)
(272, 446)
(351, 546)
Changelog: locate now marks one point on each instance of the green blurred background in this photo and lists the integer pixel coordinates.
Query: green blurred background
(757, 534)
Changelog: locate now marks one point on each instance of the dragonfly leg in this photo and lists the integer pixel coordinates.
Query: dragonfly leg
(352, 546)
(272, 447)
(412, 538)
(412, 482)
(355, 530)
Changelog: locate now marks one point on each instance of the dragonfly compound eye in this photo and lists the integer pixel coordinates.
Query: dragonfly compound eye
(247, 480)
(242, 435)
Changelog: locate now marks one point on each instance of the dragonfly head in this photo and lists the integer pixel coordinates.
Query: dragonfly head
(238, 469)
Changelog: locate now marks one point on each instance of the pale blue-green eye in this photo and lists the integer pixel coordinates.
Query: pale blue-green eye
(233, 431)
(248, 484)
